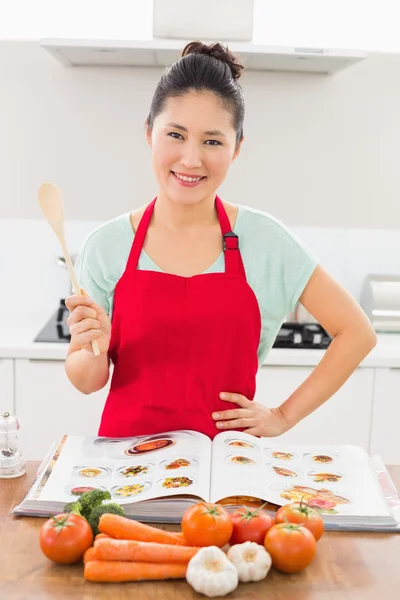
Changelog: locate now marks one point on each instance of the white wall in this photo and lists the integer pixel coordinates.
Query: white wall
(368, 24)
(118, 19)
(319, 150)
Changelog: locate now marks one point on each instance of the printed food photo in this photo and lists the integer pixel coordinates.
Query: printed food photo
(126, 491)
(150, 446)
(92, 472)
(134, 470)
(241, 460)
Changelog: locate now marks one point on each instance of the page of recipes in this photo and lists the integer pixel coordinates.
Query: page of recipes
(131, 469)
(334, 479)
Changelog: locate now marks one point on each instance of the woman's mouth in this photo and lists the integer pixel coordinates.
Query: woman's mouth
(188, 180)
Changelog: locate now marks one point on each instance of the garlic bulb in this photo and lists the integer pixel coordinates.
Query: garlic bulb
(209, 572)
(251, 560)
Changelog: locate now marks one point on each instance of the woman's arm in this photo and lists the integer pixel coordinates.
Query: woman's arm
(353, 338)
(87, 372)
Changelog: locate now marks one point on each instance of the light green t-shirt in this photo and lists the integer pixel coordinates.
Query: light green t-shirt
(278, 265)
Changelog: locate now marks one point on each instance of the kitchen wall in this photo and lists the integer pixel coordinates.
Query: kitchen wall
(321, 153)
(365, 24)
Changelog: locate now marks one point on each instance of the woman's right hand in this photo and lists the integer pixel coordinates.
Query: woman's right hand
(87, 321)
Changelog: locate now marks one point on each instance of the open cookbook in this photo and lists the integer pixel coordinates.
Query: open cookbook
(157, 477)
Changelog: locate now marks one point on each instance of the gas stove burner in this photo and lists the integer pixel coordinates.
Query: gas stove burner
(56, 328)
(302, 335)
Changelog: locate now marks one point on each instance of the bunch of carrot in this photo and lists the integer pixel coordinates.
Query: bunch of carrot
(127, 550)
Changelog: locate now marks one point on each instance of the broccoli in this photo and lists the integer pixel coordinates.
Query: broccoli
(73, 507)
(94, 517)
(89, 500)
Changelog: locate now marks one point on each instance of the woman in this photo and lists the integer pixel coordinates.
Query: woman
(197, 288)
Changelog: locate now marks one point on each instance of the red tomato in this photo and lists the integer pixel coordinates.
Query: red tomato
(250, 525)
(292, 547)
(206, 524)
(301, 513)
(65, 538)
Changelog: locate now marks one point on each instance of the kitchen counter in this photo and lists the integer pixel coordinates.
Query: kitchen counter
(17, 334)
(355, 566)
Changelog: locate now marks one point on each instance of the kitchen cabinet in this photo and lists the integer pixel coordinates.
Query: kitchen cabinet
(49, 406)
(343, 419)
(6, 385)
(386, 415)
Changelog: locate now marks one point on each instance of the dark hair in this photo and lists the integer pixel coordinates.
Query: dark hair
(211, 68)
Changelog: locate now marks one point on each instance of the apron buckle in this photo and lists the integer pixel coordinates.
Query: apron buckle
(230, 241)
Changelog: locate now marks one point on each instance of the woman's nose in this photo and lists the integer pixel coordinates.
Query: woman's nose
(191, 157)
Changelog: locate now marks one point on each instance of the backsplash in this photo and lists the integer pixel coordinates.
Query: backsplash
(32, 283)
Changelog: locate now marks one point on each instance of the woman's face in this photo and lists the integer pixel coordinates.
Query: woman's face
(193, 144)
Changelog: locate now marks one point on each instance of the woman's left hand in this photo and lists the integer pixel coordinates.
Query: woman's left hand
(256, 419)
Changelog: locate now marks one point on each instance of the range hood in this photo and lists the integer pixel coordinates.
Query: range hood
(163, 52)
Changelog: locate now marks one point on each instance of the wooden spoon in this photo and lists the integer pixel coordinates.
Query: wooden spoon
(51, 203)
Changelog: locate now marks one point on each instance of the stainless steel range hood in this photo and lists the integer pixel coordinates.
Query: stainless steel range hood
(163, 52)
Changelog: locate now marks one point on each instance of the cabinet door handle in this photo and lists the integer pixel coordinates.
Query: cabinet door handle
(46, 360)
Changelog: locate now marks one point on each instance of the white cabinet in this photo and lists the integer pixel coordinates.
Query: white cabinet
(6, 385)
(343, 419)
(49, 406)
(385, 433)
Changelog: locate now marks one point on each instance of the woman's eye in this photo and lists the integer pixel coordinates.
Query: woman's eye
(176, 136)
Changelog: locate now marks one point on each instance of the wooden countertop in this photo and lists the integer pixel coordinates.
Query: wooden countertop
(348, 566)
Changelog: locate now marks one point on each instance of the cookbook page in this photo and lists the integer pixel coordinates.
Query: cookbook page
(335, 479)
(131, 469)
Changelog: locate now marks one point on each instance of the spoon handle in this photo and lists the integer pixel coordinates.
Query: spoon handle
(75, 285)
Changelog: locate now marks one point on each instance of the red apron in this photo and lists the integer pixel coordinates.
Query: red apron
(177, 342)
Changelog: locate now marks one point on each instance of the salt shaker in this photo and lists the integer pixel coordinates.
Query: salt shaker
(12, 463)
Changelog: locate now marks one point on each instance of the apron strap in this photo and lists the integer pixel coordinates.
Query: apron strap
(140, 235)
(230, 241)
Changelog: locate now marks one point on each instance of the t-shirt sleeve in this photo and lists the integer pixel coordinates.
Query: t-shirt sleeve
(298, 264)
(88, 272)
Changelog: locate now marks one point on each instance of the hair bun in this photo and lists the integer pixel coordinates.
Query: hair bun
(218, 51)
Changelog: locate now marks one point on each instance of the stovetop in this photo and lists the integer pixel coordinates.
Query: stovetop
(56, 329)
(302, 335)
(290, 335)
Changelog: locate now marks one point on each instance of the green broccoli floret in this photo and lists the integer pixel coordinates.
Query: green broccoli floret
(89, 500)
(73, 507)
(94, 517)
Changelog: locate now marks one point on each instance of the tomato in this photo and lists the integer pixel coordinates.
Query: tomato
(250, 525)
(206, 524)
(301, 513)
(292, 547)
(65, 538)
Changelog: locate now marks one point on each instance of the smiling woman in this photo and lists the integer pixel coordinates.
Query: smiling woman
(195, 124)
(186, 154)
(186, 294)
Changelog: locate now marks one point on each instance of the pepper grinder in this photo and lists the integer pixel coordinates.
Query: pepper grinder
(12, 463)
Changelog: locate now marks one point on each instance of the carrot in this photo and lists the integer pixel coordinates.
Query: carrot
(99, 536)
(128, 529)
(101, 570)
(179, 534)
(108, 549)
(90, 554)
